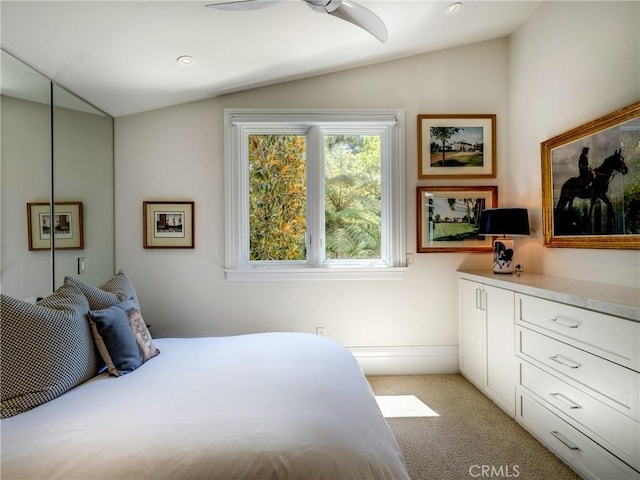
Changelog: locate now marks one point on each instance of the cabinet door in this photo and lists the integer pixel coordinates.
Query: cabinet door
(471, 331)
(500, 378)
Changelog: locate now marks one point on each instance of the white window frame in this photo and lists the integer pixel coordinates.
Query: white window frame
(240, 123)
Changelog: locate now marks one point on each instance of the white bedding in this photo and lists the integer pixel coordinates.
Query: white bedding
(261, 406)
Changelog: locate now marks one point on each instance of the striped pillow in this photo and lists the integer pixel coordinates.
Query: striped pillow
(45, 348)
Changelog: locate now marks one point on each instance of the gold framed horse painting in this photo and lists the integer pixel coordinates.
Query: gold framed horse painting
(591, 183)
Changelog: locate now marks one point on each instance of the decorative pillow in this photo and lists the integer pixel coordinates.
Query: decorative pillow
(122, 337)
(45, 348)
(114, 290)
(111, 292)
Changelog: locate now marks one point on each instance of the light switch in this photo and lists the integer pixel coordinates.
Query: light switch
(82, 265)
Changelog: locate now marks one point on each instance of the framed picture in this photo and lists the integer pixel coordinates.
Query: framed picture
(66, 226)
(457, 146)
(448, 218)
(591, 184)
(168, 224)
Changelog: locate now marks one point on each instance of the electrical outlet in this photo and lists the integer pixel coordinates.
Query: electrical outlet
(320, 331)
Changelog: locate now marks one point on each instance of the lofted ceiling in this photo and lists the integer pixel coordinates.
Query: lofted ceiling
(121, 55)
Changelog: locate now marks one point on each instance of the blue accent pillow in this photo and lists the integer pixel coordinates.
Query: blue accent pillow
(122, 337)
(115, 290)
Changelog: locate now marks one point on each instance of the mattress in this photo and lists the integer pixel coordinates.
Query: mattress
(258, 406)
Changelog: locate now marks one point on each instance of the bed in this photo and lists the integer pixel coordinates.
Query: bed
(254, 406)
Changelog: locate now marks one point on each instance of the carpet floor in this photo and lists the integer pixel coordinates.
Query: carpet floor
(468, 437)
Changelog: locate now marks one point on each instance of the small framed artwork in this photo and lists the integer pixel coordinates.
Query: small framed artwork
(457, 146)
(449, 217)
(168, 224)
(591, 184)
(65, 226)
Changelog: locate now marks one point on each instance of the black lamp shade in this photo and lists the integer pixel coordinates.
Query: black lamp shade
(504, 221)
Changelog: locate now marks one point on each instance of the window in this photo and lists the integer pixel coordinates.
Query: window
(314, 195)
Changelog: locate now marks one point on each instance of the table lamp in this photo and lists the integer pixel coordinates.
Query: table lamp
(504, 221)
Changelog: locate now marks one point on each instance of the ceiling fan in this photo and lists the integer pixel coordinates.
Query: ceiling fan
(343, 9)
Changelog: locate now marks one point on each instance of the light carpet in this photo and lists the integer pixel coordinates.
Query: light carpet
(467, 437)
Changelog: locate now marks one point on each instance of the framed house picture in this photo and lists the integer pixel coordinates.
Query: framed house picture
(591, 184)
(65, 225)
(168, 224)
(449, 217)
(457, 146)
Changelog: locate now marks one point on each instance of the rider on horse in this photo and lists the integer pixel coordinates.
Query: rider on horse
(586, 174)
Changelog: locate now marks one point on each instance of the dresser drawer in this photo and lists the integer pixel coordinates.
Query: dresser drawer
(610, 428)
(610, 337)
(586, 457)
(612, 384)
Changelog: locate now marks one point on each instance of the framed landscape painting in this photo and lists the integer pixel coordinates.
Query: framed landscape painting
(449, 217)
(457, 146)
(591, 183)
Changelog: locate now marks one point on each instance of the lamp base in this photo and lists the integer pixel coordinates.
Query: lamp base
(503, 253)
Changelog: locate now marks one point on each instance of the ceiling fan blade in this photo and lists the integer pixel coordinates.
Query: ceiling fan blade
(353, 13)
(242, 4)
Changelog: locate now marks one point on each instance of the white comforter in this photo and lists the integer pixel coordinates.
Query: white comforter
(262, 406)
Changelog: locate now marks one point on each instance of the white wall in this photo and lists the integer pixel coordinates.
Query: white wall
(570, 63)
(177, 153)
(531, 84)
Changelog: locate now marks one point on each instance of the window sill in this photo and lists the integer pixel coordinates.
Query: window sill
(283, 274)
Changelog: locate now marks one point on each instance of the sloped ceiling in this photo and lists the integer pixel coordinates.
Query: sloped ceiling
(121, 55)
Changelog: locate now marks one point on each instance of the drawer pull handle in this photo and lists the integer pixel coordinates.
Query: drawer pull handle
(564, 361)
(565, 322)
(565, 400)
(564, 440)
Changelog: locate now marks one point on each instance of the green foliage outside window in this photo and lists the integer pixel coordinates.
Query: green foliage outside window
(277, 197)
(352, 196)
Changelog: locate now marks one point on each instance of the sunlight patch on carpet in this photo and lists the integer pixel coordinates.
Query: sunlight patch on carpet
(395, 406)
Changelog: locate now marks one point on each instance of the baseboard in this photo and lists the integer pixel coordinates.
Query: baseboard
(413, 360)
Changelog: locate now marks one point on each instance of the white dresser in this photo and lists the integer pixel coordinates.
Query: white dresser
(570, 373)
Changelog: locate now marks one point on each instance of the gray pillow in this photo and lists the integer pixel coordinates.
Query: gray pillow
(114, 290)
(122, 337)
(45, 348)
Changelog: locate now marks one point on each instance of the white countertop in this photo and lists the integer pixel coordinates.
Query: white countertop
(600, 297)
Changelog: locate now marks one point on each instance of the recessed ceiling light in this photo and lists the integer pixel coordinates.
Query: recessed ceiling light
(453, 8)
(186, 60)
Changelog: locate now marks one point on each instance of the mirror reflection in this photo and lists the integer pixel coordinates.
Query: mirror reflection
(25, 176)
(56, 148)
(83, 172)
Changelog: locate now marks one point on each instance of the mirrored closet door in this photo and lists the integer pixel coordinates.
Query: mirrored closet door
(82, 176)
(56, 149)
